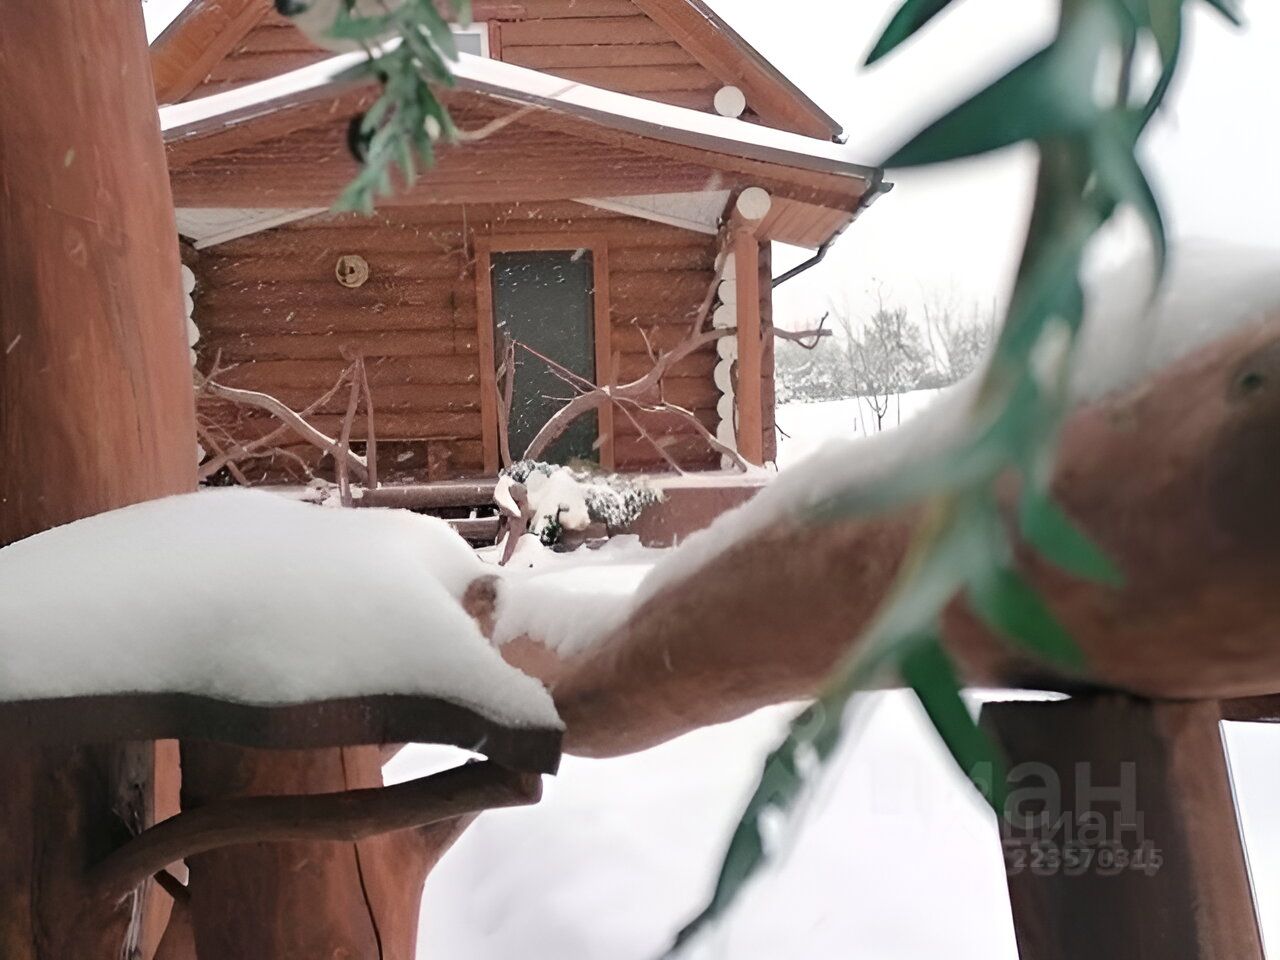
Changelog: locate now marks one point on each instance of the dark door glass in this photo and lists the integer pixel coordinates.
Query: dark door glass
(545, 299)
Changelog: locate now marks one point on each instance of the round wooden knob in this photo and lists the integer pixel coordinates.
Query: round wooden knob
(352, 270)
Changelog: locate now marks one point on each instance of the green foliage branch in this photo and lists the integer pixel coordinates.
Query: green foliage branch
(409, 48)
(1076, 101)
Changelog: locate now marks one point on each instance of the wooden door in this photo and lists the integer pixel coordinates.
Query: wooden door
(545, 299)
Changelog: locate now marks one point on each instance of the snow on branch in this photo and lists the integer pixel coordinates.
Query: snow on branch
(347, 816)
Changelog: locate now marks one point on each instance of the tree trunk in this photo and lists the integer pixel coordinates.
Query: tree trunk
(298, 901)
(95, 404)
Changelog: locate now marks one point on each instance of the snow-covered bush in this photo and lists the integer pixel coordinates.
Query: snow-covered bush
(564, 498)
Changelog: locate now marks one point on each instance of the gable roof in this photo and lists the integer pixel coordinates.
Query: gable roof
(241, 148)
(207, 33)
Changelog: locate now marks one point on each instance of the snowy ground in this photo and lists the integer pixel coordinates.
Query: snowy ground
(897, 860)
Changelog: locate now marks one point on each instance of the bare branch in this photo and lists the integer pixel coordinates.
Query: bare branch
(347, 816)
(344, 440)
(264, 401)
(506, 395)
(807, 339)
(595, 397)
(370, 437)
(662, 451)
(241, 450)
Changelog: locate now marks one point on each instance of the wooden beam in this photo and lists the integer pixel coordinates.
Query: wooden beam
(1173, 477)
(746, 255)
(1120, 837)
(378, 719)
(488, 360)
(1252, 709)
(197, 40)
(604, 346)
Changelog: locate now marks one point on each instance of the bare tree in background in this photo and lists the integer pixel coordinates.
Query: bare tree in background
(957, 342)
(884, 355)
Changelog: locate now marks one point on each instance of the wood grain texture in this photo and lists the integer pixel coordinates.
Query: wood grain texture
(747, 393)
(95, 410)
(1173, 478)
(1131, 779)
(94, 381)
(299, 898)
(269, 306)
(356, 721)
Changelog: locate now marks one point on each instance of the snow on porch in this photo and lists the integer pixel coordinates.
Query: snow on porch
(252, 598)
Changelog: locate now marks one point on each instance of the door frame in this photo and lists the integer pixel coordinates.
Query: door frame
(485, 247)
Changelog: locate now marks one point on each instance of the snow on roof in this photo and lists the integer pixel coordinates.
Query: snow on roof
(508, 81)
(253, 598)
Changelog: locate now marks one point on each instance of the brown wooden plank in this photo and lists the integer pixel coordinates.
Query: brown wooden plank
(238, 348)
(432, 496)
(746, 254)
(604, 345)
(392, 398)
(201, 35)
(373, 719)
(242, 67)
(487, 357)
(219, 269)
(643, 79)
(245, 316)
(554, 57)
(584, 30)
(1138, 854)
(559, 9)
(324, 373)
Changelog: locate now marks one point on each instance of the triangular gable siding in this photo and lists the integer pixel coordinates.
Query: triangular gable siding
(604, 43)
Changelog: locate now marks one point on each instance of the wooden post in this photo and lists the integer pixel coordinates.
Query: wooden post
(96, 405)
(746, 255)
(749, 209)
(1120, 833)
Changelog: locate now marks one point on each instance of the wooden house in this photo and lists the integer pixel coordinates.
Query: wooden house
(626, 168)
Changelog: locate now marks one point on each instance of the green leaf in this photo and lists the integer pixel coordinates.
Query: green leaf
(910, 17)
(1006, 603)
(1229, 9)
(1165, 22)
(1113, 144)
(816, 730)
(1025, 104)
(928, 670)
(1059, 540)
(1049, 95)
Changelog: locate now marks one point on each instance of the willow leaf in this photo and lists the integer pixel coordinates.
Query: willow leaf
(1049, 95)
(910, 17)
(1055, 535)
(1229, 9)
(928, 670)
(1112, 144)
(1006, 603)
(1165, 22)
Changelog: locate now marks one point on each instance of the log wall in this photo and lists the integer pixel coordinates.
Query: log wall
(269, 307)
(604, 43)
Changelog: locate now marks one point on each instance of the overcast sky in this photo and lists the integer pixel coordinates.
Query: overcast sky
(955, 230)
